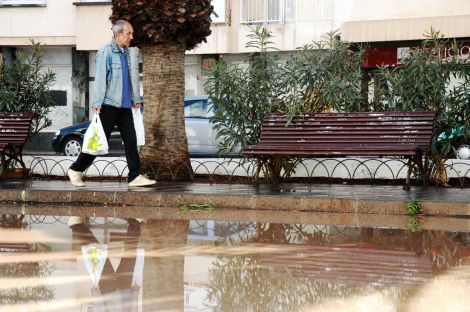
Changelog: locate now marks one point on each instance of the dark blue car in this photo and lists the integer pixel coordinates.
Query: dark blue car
(201, 137)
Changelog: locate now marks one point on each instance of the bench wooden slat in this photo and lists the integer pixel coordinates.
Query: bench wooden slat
(390, 114)
(317, 127)
(336, 147)
(331, 153)
(350, 133)
(345, 134)
(343, 141)
(14, 132)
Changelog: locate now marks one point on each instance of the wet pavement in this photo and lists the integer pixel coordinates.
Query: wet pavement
(305, 197)
(383, 192)
(209, 261)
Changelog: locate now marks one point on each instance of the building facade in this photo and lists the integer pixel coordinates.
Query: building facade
(73, 30)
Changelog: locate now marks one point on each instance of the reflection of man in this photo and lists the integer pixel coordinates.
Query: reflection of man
(114, 286)
(115, 94)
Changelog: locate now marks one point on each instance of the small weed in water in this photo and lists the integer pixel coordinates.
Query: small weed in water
(414, 224)
(188, 207)
(414, 207)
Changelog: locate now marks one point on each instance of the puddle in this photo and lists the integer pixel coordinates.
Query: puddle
(112, 264)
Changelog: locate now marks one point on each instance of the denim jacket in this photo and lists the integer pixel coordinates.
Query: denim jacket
(108, 78)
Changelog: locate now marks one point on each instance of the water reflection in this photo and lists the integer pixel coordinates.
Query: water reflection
(113, 288)
(110, 264)
(164, 273)
(11, 242)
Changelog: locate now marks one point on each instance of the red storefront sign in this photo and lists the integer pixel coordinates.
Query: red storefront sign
(392, 55)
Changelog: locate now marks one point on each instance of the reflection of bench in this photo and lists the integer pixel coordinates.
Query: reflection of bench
(14, 247)
(14, 131)
(402, 134)
(356, 266)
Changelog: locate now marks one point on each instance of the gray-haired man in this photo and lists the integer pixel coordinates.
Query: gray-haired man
(115, 93)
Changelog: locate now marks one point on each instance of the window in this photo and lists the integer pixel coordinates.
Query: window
(22, 2)
(196, 109)
(276, 11)
(220, 8)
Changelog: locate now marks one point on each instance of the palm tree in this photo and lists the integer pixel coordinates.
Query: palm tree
(164, 30)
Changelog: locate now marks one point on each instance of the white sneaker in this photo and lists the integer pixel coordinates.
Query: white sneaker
(74, 221)
(76, 177)
(140, 180)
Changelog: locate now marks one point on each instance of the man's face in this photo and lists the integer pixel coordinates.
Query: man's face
(125, 37)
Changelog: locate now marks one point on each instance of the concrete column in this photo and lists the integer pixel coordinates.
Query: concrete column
(80, 86)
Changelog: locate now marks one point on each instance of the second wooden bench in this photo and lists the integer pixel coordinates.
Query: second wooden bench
(398, 134)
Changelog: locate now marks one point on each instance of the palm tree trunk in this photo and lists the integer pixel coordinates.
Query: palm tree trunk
(166, 149)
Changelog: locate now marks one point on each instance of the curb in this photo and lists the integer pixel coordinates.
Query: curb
(242, 202)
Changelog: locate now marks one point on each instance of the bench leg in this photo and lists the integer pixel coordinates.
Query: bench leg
(2, 163)
(20, 159)
(258, 171)
(406, 187)
(13, 154)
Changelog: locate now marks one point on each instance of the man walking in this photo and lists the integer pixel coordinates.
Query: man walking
(115, 93)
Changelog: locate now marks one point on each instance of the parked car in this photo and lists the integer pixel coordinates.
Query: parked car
(202, 140)
(457, 133)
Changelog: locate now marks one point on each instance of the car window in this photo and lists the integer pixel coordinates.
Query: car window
(196, 109)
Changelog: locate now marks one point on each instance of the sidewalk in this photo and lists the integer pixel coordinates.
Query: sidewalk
(388, 200)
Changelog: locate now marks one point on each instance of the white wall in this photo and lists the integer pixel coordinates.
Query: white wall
(364, 10)
(398, 20)
(62, 23)
(53, 24)
(59, 60)
(93, 28)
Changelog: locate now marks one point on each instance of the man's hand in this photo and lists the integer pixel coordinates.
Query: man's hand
(97, 110)
(136, 105)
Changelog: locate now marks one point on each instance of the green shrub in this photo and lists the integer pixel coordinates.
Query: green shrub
(243, 95)
(321, 76)
(24, 86)
(326, 75)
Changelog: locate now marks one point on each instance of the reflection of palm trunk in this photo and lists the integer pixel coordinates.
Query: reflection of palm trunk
(163, 273)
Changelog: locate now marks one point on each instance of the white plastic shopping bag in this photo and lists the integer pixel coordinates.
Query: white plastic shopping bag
(94, 141)
(94, 257)
(139, 126)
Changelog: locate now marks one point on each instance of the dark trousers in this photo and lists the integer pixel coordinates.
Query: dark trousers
(110, 116)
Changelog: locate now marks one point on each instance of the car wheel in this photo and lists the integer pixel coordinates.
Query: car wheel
(463, 152)
(72, 146)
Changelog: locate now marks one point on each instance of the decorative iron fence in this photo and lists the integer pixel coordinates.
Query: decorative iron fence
(231, 170)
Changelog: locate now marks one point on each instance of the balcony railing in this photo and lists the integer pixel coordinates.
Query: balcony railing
(279, 11)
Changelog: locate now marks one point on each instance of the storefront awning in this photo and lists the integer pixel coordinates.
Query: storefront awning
(402, 29)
